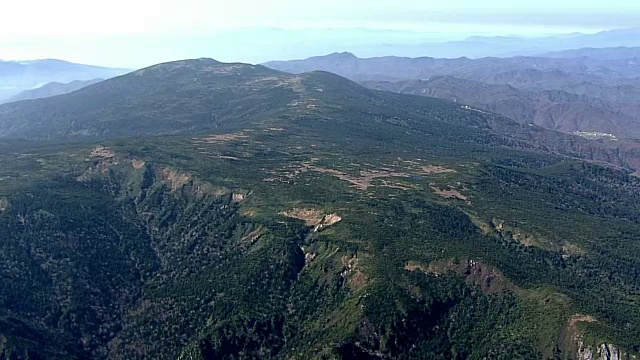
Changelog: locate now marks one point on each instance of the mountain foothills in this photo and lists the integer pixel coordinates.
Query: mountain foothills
(594, 92)
(19, 76)
(203, 210)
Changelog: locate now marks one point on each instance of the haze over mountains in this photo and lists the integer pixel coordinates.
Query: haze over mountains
(605, 53)
(504, 46)
(51, 89)
(18, 76)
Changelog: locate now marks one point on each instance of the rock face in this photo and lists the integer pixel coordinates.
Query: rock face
(326, 221)
(584, 353)
(603, 352)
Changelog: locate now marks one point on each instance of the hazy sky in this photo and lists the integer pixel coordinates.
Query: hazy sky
(137, 32)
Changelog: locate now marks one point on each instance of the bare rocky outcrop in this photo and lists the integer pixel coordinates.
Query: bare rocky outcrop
(175, 179)
(313, 217)
(327, 221)
(4, 205)
(103, 152)
(603, 352)
(103, 159)
(239, 197)
(352, 273)
(138, 164)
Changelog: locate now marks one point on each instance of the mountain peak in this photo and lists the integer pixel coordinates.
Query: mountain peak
(186, 63)
(341, 55)
(201, 65)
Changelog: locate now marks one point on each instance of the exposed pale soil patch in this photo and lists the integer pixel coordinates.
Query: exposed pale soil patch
(430, 169)
(362, 182)
(249, 212)
(107, 159)
(103, 152)
(313, 217)
(137, 164)
(577, 318)
(220, 138)
(352, 273)
(450, 193)
(327, 221)
(176, 179)
(239, 197)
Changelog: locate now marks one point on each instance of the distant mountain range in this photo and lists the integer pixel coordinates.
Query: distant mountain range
(608, 53)
(18, 76)
(491, 70)
(503, 46)
(51, 89)
(561, 93)
(553, 109)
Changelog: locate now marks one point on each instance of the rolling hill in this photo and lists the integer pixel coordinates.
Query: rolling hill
(203, 210)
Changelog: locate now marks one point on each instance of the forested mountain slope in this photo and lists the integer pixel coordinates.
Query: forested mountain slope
(226, 211)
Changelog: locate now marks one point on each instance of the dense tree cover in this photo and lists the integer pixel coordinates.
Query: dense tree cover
(148, 268)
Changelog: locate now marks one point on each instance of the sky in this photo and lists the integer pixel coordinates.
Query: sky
(134, 33)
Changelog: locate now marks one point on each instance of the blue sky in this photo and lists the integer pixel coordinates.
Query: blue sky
(139, 32)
